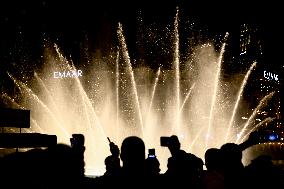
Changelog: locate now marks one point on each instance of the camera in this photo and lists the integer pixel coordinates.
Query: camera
(165, 141)
(77, 140)
(151, 153)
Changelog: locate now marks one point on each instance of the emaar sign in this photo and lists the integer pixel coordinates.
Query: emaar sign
(68, 74)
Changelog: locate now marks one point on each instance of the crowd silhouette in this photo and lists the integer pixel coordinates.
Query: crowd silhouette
(62, 166)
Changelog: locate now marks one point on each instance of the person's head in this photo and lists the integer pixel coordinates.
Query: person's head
(174, 144)
(213, 159)
(132, 151)
(64, 165)
(112, 163)
(231, 151)
(232, 157)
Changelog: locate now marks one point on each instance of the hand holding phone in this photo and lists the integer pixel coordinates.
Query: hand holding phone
(151, 153)
(113, 148)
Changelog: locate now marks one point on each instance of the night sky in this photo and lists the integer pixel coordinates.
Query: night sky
(25, 24)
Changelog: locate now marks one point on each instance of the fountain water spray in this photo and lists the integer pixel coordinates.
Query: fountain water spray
(177, 67)
(31, 94)
(265, 121)
(153, 91)
(214, 96)
(127, 59)
(108, 101)
(117, 91)
(261, 104)
(186, 98)
(239, 98)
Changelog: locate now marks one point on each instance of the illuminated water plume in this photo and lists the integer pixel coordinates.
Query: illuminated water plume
(116, 99)
(239, 98)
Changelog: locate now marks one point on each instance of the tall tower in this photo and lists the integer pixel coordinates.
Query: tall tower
(266, 78)
(250, 44)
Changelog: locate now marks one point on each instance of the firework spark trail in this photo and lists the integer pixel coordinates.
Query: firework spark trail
(21, 85)
(214, 96)
(186, 98)
(127, 59)
(266, 120)
(5, 95)
(238, 99)
(261, 104)
(154, 91)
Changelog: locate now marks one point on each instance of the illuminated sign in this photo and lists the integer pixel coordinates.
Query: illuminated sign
(270, 76)
(67, 74)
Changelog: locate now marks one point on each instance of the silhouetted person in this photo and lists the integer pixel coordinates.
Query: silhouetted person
(253, 139)
(132, 173)
(177, 161)
(133, 157)
(174, 146)
(213, 159)
(112, 162)
(152, 166)
(234, 172)
(233, 166)
(78, 147)
(152, 171)
(197, 172)
(262, 174)
(24, 170)
(213, 177)
(64, 167)
(183, 168)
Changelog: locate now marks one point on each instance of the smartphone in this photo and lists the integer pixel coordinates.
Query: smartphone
(151, 153)
(165, 141)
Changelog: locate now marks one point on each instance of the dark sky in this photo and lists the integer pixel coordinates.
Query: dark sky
(64, 13)
(25, 23)
(48, 14)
